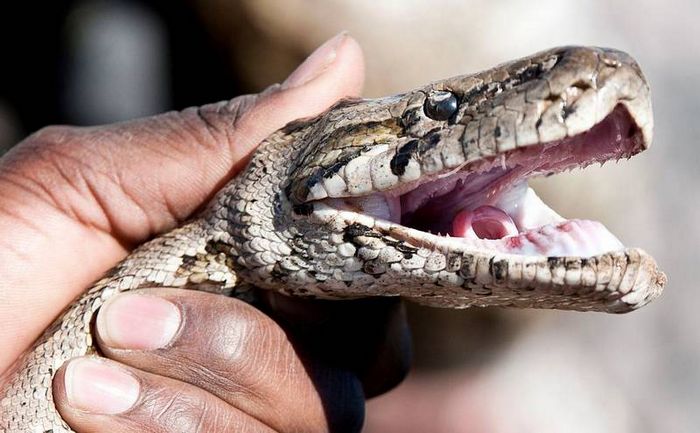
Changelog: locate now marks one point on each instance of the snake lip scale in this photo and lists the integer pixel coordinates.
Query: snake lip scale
(421, 195)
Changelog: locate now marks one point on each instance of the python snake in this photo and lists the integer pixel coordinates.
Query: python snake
(421, 195)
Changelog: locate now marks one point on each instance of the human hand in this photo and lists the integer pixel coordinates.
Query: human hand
(76, 200)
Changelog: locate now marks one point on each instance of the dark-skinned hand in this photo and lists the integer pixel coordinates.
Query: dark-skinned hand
(76, 200)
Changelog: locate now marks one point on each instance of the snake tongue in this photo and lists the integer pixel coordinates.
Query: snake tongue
(518, 222)
(484, 222)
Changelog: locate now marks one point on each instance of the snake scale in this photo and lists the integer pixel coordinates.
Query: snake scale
(348, 204)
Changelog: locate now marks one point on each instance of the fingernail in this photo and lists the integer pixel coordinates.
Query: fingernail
(138, 322)
(97, 386)
(316, 63)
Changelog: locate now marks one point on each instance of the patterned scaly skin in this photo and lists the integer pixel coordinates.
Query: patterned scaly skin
(265, 229)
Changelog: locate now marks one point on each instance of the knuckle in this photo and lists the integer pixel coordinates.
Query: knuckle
(246, 339)
(176, 410)
(232, 347)
(218, 121)
(51, 135)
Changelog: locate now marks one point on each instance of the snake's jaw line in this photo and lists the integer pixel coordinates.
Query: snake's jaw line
(421, 195)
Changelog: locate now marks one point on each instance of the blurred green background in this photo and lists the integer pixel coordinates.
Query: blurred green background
(90, 62)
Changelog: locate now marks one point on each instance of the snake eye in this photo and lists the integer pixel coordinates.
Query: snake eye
(440, 105)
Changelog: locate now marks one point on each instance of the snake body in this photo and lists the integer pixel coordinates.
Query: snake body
(297, 220)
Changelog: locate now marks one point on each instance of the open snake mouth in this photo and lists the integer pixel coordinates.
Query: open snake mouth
(488, 205)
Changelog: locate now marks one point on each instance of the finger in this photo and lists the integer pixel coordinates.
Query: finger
(98, 395)
(75, 200)
(370, 337)
(233, 351)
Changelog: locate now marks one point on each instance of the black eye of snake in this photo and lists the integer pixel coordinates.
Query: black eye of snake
(440, 105)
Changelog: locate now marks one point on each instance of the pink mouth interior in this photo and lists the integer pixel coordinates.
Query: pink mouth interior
(486, 203)
(485, 222)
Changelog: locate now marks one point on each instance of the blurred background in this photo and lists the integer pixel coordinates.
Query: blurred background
(89, 62)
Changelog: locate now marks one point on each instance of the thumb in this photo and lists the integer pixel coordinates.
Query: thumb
(334, 70)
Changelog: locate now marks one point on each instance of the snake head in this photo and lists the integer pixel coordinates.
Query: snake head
(424, 194)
